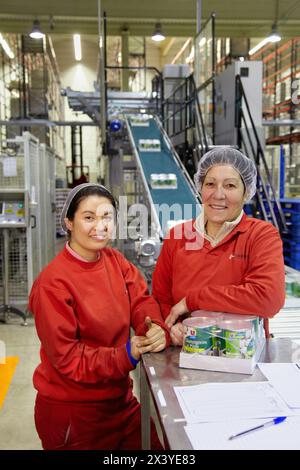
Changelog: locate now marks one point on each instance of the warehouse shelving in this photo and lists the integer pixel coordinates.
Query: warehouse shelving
(30, 89)
(281, 101)
(10, 86)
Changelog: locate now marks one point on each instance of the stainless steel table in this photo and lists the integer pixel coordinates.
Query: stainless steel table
(160, 373)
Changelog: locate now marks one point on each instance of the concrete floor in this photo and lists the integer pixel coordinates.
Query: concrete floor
(17, 430)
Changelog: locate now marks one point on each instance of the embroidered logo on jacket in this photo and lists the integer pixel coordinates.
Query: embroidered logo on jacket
(235, 255)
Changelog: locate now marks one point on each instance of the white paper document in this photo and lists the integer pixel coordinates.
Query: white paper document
(207, 436)
(228, 401)
(285, 378)
(9, 166)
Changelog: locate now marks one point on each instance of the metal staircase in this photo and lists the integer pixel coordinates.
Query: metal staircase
(268, 205)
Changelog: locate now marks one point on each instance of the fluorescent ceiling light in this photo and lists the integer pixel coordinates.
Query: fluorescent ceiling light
(273, 37)
(36, 32)
(6, 47)
(158, 35)
(259, 46)
(77, 46)
(202, 42)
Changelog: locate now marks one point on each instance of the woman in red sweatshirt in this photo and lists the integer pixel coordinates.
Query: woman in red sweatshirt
(84, 303)
(222, 261)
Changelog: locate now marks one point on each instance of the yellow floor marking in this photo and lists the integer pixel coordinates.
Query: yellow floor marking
(7, 371)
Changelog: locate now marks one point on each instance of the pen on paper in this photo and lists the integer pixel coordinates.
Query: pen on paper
(274, 421)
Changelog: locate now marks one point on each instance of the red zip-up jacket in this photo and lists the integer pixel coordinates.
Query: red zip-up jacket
(243, 274)
(83, 312)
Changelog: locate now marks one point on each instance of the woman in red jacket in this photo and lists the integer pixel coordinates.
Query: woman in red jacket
(84, 303)
(222, 261)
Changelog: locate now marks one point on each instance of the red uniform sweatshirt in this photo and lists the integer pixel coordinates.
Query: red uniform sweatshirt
(83, 313)
(242, 274)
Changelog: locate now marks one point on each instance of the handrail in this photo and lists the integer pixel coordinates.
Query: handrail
(206, 83)
(158, 94)
(266, 195)
(123, 67)
(199, 113)
(187, 103)
(257, 155)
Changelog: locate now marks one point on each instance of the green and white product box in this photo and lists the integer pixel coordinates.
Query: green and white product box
(222, 342)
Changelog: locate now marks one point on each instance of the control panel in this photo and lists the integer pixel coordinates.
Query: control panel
(13, 210)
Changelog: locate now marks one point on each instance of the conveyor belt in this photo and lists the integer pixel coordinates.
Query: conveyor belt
(165, 161)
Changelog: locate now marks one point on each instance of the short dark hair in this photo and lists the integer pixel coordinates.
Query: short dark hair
(86, 192)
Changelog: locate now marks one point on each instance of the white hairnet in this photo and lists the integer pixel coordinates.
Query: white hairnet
(71, 196)
(228, 156)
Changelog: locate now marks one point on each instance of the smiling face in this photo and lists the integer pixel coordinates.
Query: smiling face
(223, 194)
(92, 226)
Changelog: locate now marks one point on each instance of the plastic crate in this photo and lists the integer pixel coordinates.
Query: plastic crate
(292, 235)
(294, 244)
(291, 245)
(290, 204)
(294, 231)
(292, 216)
(294, 264)
(248, 209)
(292, 255)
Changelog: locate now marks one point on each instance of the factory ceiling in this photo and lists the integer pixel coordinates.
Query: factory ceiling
(178, 17)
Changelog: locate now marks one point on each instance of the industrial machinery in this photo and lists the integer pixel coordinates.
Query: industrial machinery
(27, 218)
(13, 218)
(170, 194)
(250, 73)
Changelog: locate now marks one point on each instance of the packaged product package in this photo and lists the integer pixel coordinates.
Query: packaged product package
(139, 120)
(222, 342)
(149, 145)
(163, 181)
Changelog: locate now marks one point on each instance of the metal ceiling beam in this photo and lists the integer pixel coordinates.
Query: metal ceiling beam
(282, 122)
(45, 122)
(172, 27)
